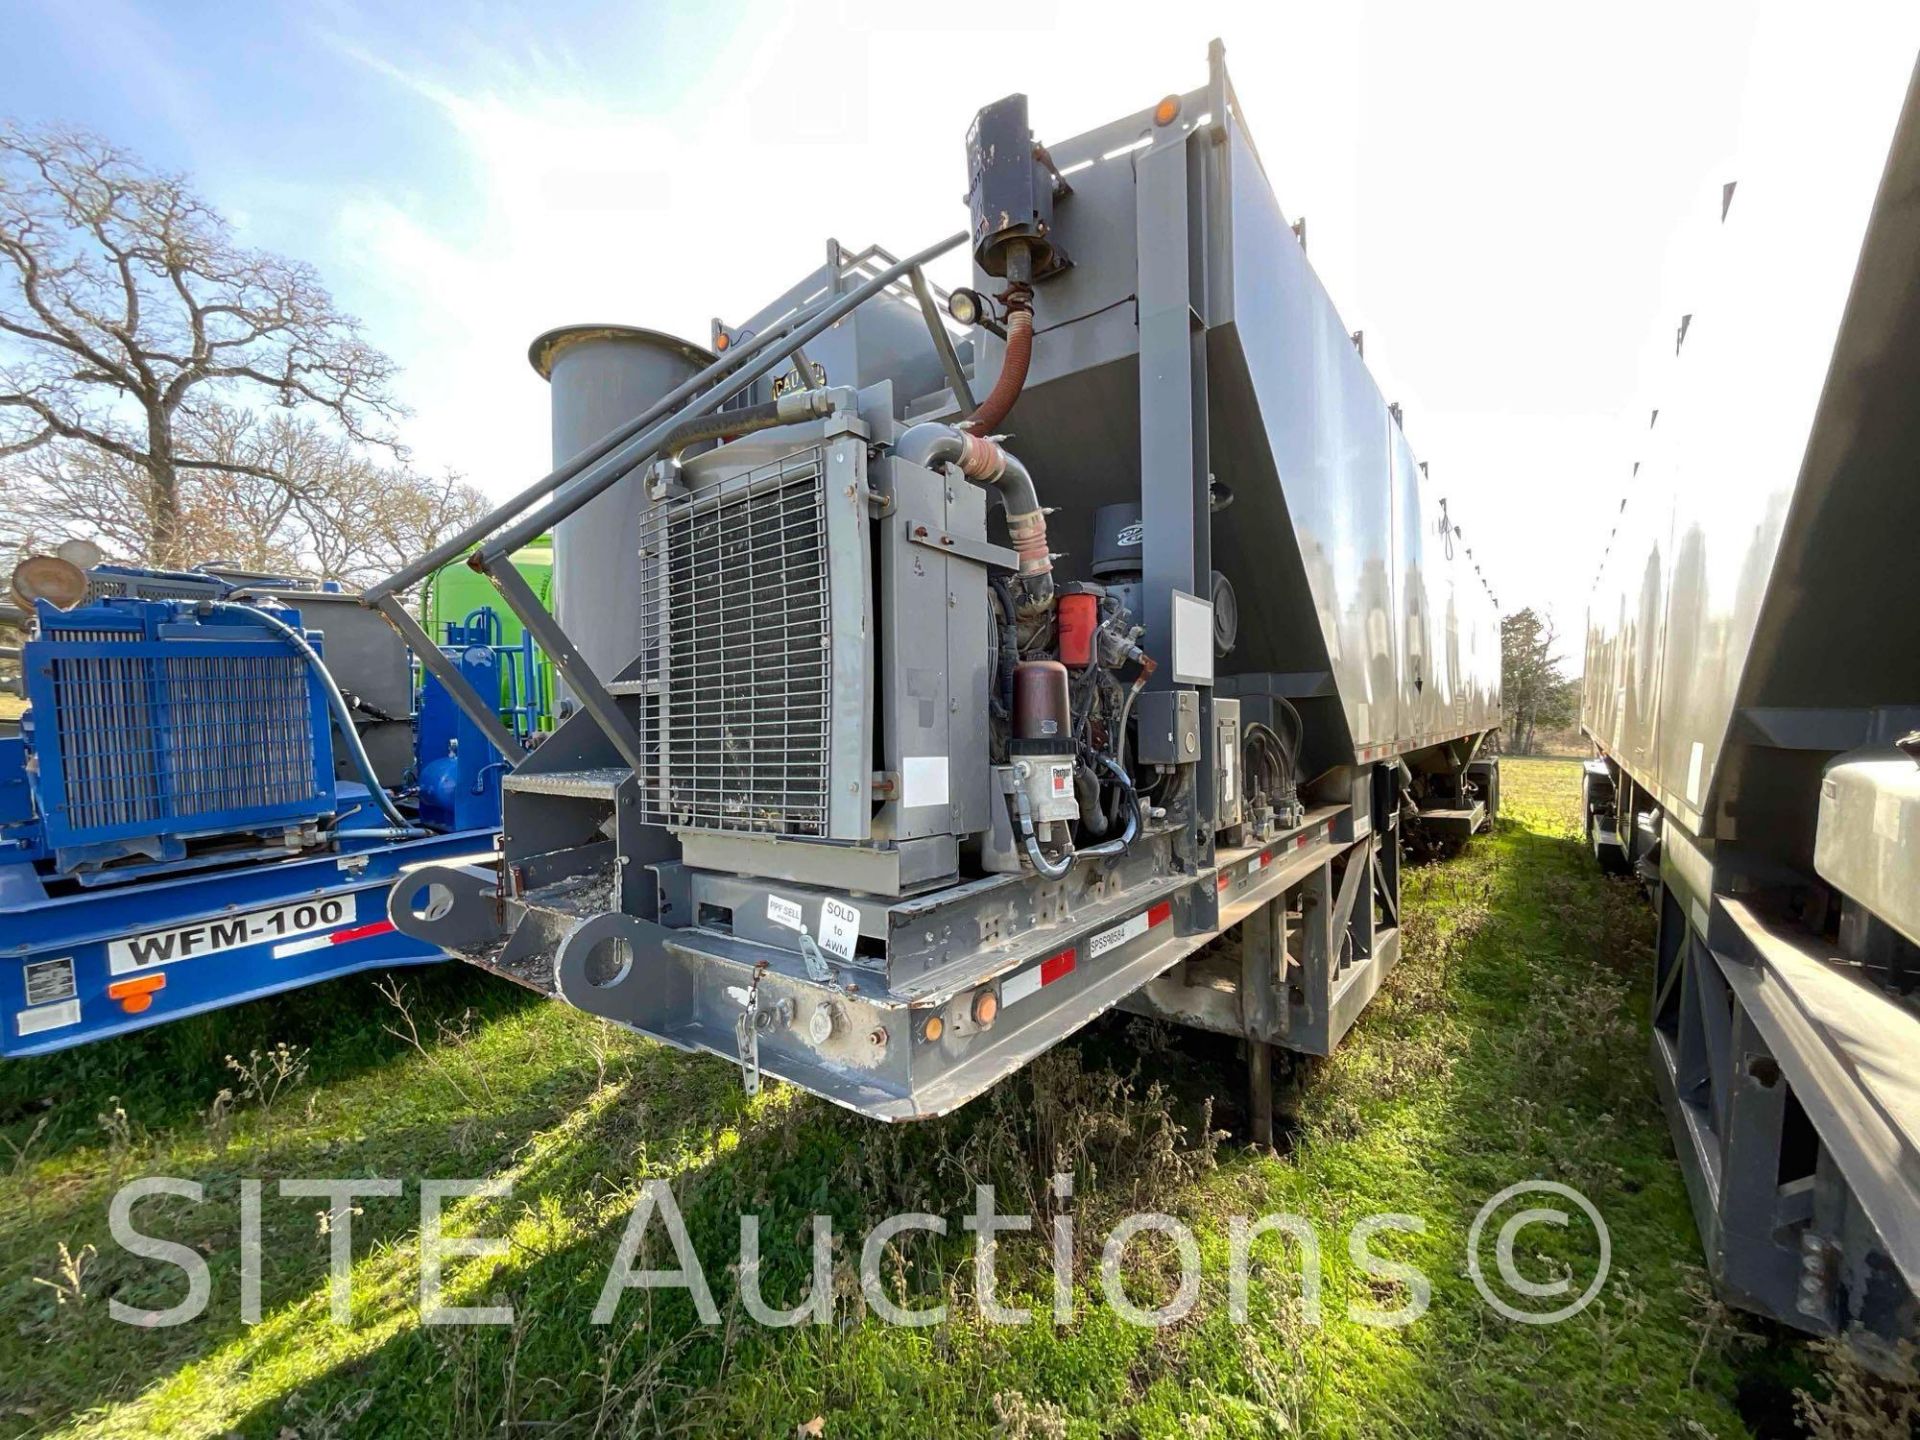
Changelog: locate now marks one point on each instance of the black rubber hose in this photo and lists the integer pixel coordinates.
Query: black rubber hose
(335, 702)
(719, 425)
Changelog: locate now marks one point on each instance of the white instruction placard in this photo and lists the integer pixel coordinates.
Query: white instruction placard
(782, 911)
(923, 780)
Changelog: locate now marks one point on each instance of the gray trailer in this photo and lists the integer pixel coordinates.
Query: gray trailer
(880, 792)
(1752, 690)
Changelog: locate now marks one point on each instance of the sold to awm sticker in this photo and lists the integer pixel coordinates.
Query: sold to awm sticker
(839, 928)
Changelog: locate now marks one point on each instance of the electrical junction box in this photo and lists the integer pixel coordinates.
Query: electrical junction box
(1170, 727)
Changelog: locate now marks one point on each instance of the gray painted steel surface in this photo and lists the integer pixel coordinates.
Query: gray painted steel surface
(1752, 654)
(1762, 556)
(1338, 547)
(602, 375)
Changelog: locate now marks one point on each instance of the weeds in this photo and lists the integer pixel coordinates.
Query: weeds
(69, 1277)
(266, 1074)
(448, 1038)
(1506, 1045)
(1860, 1404)
(118, 1129)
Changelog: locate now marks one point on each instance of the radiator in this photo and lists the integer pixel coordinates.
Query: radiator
(169, 727)
(737, 678)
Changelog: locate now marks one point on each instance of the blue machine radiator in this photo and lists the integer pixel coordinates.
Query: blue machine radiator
(153, 725)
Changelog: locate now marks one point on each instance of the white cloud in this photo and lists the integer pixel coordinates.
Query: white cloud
(1489, 196)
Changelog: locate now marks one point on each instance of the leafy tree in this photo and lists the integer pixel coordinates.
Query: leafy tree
(1536, 696)
(133, 326)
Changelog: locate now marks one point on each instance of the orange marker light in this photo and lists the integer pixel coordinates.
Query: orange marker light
(722, 340)
(986, 1005)
(136, 994)
(1167, 111)
(933, 1029)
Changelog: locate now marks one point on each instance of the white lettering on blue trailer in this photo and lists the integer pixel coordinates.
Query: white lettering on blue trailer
(228, 932)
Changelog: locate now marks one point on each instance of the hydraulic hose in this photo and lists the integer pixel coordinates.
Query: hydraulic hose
(985, 462)
(724, 424)
(987, 416)
(1126, 837)
(335, 702)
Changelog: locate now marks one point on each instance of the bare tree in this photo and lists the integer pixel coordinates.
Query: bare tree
(126, 306)
(283, 494)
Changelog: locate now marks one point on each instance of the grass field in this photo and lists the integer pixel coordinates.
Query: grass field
(1507, 1047)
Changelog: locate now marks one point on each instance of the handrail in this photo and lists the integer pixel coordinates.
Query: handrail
(448, 550)
(588, 474)
(602, 474)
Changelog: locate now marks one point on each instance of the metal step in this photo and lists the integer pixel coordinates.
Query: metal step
(578, 897)
(600, 784)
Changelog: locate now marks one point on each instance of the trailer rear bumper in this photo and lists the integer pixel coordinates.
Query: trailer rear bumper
(948, 994)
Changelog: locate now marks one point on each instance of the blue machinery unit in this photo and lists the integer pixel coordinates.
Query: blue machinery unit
(184, 822)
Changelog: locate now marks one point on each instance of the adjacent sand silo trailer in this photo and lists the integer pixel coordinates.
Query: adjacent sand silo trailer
(1753, 691)
(889, 793)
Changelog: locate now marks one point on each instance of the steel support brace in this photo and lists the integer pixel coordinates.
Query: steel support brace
(942, 342)
(486, 716)
(1263, 959)
(1174, 480)
(587, 689)
(1174, 514)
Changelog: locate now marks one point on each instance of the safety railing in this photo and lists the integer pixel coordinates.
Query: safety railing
(622, 451)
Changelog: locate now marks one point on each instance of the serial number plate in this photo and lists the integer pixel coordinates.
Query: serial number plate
(228, 932)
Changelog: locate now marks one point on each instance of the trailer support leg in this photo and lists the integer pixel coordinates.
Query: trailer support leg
(1260, 1092)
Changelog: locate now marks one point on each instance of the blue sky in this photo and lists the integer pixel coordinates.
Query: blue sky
(1493, 192)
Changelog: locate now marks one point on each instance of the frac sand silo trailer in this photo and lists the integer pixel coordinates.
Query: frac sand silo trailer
(1753, 691)
(884, 793)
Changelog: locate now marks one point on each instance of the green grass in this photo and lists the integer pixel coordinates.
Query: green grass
(1508, 1046)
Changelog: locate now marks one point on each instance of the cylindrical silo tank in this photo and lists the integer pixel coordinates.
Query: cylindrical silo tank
(603, 376)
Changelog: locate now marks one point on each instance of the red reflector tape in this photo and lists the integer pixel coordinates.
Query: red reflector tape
(1223, 881)
(336, 937)
(1026, 982)
(1128, 929)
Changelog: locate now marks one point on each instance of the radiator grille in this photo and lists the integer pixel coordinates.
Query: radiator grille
(151, 739)
(738, 671)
